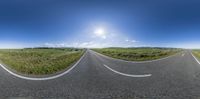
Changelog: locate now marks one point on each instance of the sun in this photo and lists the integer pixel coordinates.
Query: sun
(100, 32)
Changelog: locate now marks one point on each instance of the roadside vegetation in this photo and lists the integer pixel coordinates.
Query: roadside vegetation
(40, 61)
(196, 53)
(138, 54)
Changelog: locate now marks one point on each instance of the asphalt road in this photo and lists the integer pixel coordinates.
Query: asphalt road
(100, 77)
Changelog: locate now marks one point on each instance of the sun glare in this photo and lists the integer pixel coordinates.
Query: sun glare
(99, 32)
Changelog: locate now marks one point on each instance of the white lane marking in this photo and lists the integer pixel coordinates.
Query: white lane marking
(129, 75)
(195, 58)
(135, 61)
(43, 78)
(182, 54)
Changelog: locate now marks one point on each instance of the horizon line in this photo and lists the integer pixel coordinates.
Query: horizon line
(96, 47)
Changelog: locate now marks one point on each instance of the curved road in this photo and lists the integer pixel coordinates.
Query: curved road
(99, 77)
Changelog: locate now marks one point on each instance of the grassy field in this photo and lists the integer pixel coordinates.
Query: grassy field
(138, 54)
(196, 53)
(39, 61)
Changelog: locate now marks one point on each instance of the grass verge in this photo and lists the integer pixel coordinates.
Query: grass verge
(40, 61)
(138, 54)
(196, 53)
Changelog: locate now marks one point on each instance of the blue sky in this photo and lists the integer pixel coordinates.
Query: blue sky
(122, 23)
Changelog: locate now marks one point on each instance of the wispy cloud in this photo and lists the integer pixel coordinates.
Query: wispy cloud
(54, 45)
(188, 45)
(89, 44)
(11, 45)
(131, 41)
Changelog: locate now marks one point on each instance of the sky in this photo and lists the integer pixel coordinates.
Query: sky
(99, 23)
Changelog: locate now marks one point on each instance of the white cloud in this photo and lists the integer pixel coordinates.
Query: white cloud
(188, 45)
(132, 41)
(11, 45)
(54, 45)
(92, 44)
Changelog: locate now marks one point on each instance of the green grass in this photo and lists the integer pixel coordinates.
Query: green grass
(39, 61)
(196, 53)
(138, 54)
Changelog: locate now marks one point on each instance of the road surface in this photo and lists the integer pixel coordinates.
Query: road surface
(100, 77)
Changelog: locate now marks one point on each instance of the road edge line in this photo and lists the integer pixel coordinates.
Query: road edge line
(128, 75)
(195, 58)
(137, 61)
(43, 78)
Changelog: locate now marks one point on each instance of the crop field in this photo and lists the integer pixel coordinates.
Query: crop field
(196, 53)
(138, 54)
(39, 61)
